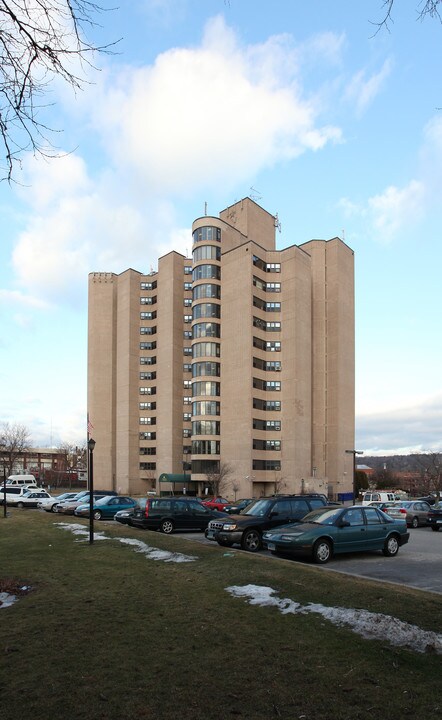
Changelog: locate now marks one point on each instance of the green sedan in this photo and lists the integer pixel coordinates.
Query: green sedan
(106, 507)
(328, 531)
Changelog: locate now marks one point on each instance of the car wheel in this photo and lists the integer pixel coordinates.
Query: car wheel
(322, 551)
(391, 546)
(54, 509)
(166, 526)
(251, 541)
(435, 528)
(97, 515)
(415, 522)
(20, 504)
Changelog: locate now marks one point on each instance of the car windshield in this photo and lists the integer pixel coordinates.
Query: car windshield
(322, 517)
(259, 508)
(103, 500)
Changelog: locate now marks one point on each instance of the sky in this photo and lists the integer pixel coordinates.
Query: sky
(311, 109)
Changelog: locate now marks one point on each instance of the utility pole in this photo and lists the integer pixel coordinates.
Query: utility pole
(354, 453)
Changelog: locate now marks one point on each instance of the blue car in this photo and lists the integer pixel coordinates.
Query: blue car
(106, 507)
(331, 530)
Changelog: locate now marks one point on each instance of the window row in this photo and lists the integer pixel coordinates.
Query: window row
(148, 391)
(266, 424)
(148, 315)
(148, 405)
(205, 349)
(205, 447)
(206, 427)
(266, 306)
(266, 267)
(207, 329)
(148, 300)
(206, 272)
(148, 345)
(148, 436)
(148, 466)
(148, 285)
(148, 330)
(206, 407)
(267, 385)
(148, 360)
(148, 451)
(148, 375)
(206, 310)
(267, 365)
(266, 465)
(206, 252)
(206, 233)
(266, 326)
(267, 444)
(266, 286)
(148, 421)
(206, 290)
(273, 405)
(267, 345)
(205, 388)
(206, 368)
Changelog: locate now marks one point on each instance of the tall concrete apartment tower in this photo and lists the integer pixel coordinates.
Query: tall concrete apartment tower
(242, 356)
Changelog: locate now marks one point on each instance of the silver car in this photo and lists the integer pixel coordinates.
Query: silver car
(415, 512)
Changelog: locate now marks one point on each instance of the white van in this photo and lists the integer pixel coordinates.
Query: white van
(377, 496)
(21, 480)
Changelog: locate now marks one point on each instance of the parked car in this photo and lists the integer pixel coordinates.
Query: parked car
(29, 499)
(383, 505)
(14, 492)
(329, 531)
(173, 513)
(50, 505)
(216, 503)
(106, 507)
(414, 511)
(430, 499)
(246, 529)
(434, 518)
(67, 507)
(238, 506)
(123, 516)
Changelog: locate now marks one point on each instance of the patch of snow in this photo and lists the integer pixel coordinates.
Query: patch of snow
(139, 546)
(6, 599)
(372, 626)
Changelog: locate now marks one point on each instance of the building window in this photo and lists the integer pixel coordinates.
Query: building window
(187, 367)
(148, 285)
(148, 360)
(207, 290)
(148, 330)
(206, 368)
(258, 384)
(273, 287)
(187, 433)
(273, 405)
(187, 302)
(273, 385)
(205, 467)
(273, 307)
(187, 334)
(148, 315)
(273, 346)
(258, 283)
(187, 400)
(271, 425)
(206, 233)
(206, 272)
(266, 444)
(148, 390)
(205, 388)
(273, 365)
(187, 269)
(259, 263)
(205, 407)
(266, 465)
(148, 300)
(148, 451)
(260, 324)
(148, 375)
(187, 318)
(273, 267)
(187, 351)
(259, 343)
(206, 329)
(148, 436)
(148, 405)
(206, 252)
(206, 310)
(148, 466)
(187, 416)
(205, 349)
(148, 421)
(148, 345)
(187, 286)
(273, 327)
(205, 427)
(187, 383)
(205, 447)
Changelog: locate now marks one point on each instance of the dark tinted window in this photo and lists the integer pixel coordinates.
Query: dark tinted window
(372, 516)
(300, 506)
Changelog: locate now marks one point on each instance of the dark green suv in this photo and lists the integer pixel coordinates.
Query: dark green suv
(266, 513)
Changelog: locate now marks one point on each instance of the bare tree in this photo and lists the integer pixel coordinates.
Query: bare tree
(427, 8)
(279, 484)
(430, 464)
(39, 40)
(14, 441)
(235, 484)
(218, 479)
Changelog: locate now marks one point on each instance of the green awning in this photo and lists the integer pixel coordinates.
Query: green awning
(174, 478)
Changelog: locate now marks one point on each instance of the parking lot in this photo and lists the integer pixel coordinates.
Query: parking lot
(416, 565)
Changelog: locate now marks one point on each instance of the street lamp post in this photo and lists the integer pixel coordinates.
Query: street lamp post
(90, 446)
(354, 453)
(4, 490)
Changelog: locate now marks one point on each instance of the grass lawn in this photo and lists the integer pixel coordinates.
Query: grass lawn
(110, 633)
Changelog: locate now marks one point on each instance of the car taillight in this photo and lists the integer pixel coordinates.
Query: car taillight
(402, 510)
(146, 509)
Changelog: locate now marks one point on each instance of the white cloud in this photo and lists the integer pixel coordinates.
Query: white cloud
(362, 90)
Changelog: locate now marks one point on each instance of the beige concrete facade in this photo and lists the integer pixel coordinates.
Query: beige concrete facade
(242, 355)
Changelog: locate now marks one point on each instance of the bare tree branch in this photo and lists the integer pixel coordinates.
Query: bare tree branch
(39, 41)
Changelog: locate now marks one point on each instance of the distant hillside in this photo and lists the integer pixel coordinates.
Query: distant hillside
(397, 463)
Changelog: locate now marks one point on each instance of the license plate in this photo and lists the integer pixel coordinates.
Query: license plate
(271, 546)
(210, 534)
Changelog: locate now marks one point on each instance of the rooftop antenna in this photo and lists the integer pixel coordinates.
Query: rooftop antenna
(205, 209)
(277, 223)
(254, 195)
(343, 235)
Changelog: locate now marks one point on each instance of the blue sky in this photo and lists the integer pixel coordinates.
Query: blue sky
(301, 105)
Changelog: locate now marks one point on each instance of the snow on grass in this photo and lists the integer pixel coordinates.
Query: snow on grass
(372, 626)
(150, 552)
